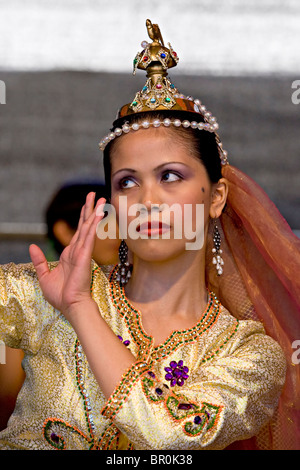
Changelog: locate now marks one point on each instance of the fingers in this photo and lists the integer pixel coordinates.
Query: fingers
(39, 261)
(87, 209)
(89, 215)
(86, 212)
(76, 234)
(89, 206)
(91, 230)
(86, 230)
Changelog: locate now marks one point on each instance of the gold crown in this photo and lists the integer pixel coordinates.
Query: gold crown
(160, 94)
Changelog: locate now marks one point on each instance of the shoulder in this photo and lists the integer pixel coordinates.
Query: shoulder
(251, 339)
(20, 281)
(22, 271)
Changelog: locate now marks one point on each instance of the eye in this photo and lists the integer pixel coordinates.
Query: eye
(171, 176)
(126, 183)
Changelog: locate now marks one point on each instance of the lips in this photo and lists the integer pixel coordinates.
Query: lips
(153, 227)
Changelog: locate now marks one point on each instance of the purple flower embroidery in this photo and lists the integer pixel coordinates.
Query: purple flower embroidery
(176, 373)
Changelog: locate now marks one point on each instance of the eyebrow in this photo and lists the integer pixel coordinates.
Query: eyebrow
(131, 170)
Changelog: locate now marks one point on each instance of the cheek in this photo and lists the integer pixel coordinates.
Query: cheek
(198, 194)
(196, 206)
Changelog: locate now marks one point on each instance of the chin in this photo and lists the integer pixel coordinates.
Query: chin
(157, 250)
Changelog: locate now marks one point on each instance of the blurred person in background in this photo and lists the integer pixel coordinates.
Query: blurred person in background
(62, 215)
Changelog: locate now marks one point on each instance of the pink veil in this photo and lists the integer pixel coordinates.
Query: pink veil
(261, 281)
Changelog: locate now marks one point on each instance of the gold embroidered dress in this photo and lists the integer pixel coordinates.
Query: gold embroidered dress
(203, 388)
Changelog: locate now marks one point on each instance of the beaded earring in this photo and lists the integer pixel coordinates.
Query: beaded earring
(124, 269)
(217, 259)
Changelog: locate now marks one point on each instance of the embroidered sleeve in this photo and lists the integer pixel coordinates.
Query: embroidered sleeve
(225, 398)
(24, 313)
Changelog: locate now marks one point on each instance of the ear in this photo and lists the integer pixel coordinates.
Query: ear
(218, 198)
(63, 232)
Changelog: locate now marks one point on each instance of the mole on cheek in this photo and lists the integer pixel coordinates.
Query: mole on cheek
(203, 190)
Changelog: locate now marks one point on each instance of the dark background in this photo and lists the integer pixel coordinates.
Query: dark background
(52, 122)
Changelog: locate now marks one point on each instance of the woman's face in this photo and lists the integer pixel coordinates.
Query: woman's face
(152, 169)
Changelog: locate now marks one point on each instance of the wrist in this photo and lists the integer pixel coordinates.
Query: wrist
(80, 310)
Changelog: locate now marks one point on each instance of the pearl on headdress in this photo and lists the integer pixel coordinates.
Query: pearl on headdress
(210, 126)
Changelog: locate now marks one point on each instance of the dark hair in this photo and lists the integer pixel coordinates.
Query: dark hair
(66, 205)
(203, 143)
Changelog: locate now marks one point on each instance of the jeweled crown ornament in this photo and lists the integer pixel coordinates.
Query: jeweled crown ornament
(160, 94)
(156, 59)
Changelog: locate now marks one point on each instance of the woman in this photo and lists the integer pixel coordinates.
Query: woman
(172, 368)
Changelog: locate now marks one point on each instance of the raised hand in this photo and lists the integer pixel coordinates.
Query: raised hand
(67, 288)
(68, 284)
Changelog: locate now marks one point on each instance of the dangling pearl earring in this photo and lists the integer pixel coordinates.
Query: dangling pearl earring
(217, 259)
(124, 269)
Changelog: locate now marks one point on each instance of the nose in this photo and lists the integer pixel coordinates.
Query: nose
(150, 197)
(151, 206)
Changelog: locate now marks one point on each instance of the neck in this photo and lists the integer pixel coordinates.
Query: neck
(174, 286)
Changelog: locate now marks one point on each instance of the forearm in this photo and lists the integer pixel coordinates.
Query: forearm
(107, 356)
